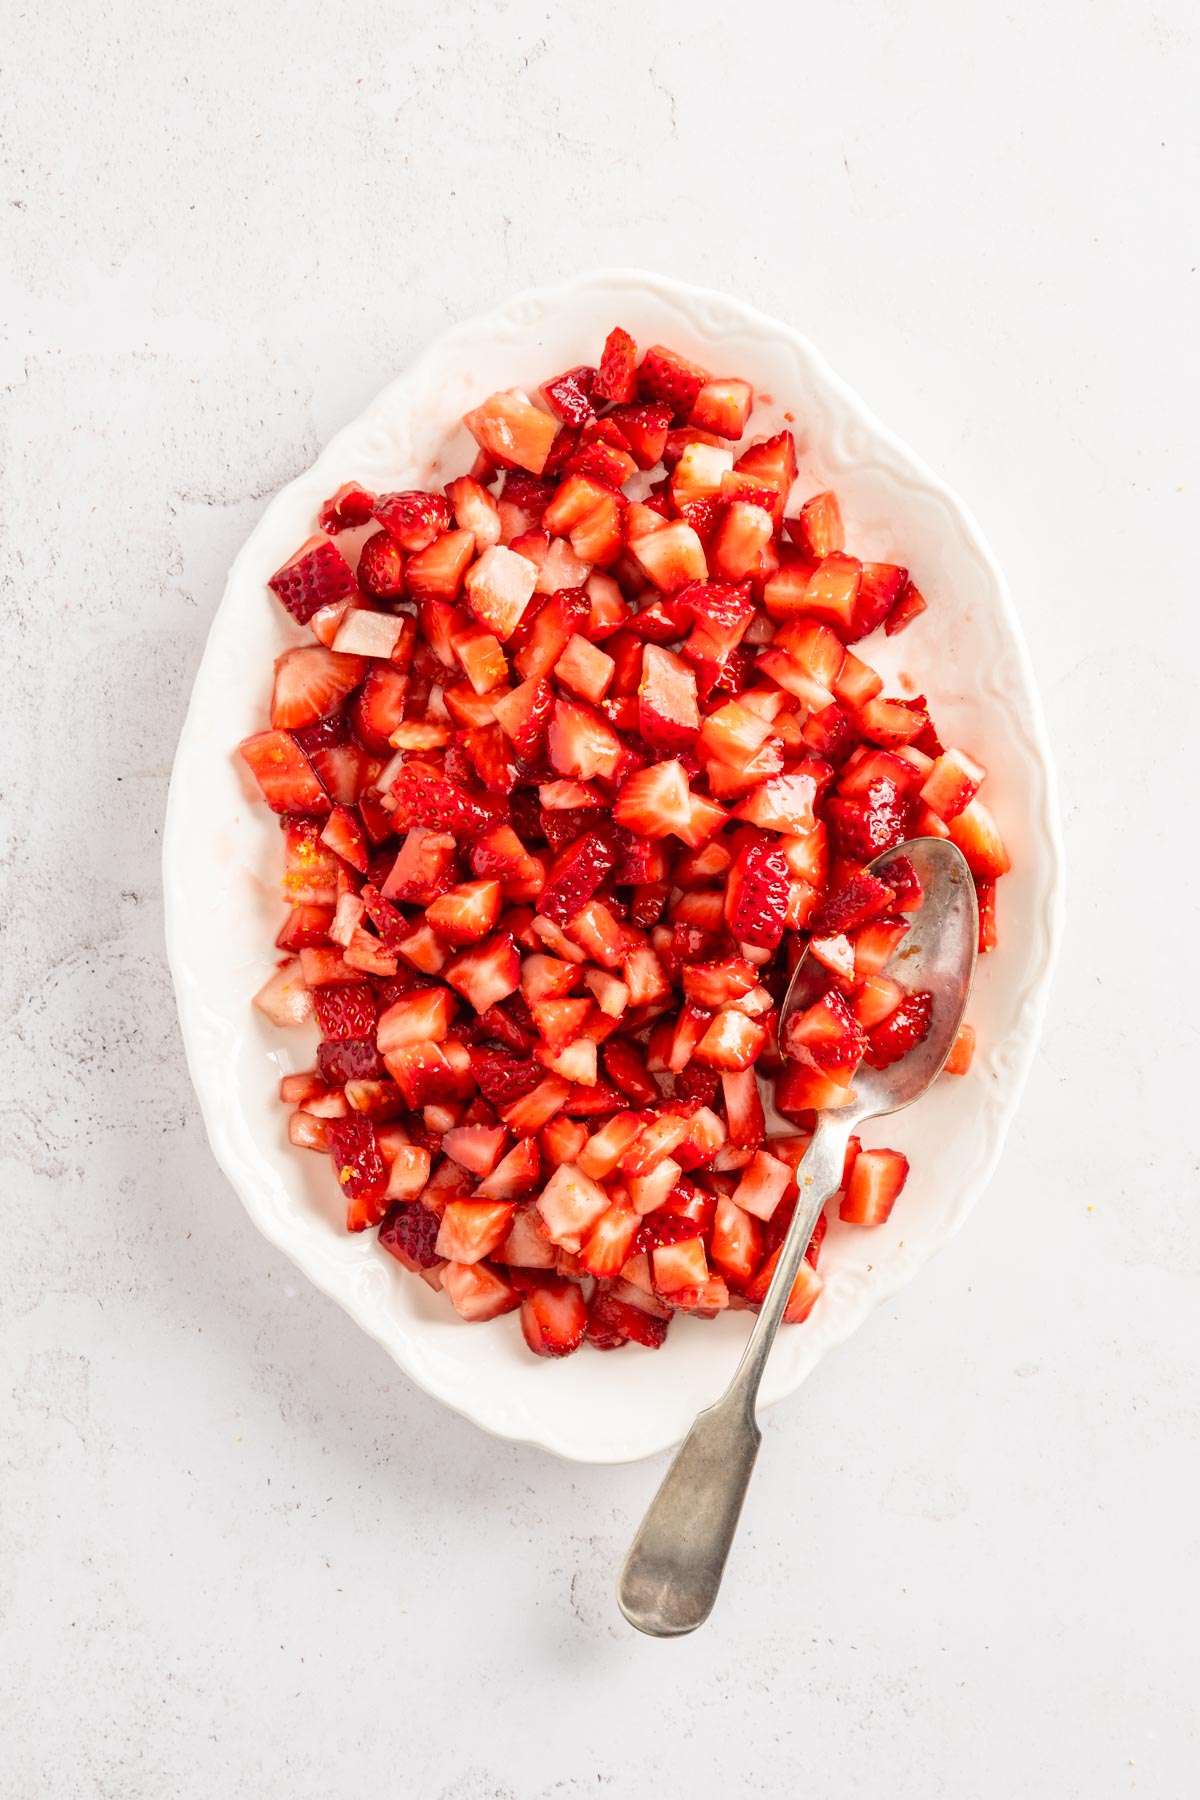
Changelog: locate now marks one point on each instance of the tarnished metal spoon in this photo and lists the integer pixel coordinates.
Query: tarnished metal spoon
(674, 1568)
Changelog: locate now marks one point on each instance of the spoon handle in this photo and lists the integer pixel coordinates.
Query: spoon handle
(673, 1571)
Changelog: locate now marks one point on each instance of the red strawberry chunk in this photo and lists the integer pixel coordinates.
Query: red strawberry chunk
(865, 828)
(574, 876)
(569, 396)
(381, 567)
(664, 375)
(284, 773)
(409, 1231)
(348, 508)
(360, 1168)
(616, 378)
(554, 1318)
(317, 575)
(901, 1032)
(874, 1185)
(756, 897)
(414, 519)
(613, 1322)
(423, 796)
(645, 430)
(861, 898)
(345, 1010)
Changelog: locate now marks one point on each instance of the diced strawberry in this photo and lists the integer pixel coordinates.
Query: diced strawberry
(656, 801)
(424, 796)
(827, 1035)
(422, 868)
(613, 1322)
(962, 1052)
(436, 573)
(951, 784)
(671, 557)
(381, 567)
(488, 974)
(977, 835)
(346, 509)
(524, 715)
(311, 682)
(285, 998)
(420, 1018)
(360, 1169)
(606, 462)
(742, 545)
(867, 827)
(609, 1243)
(574, 876)
(806, 1289)
(723, 407)
(772, 462)
(512, 430)
(893, 722)
(756, 895)
(880, 586)
(305, 926)
(580, 743)
(413, 519)
(569, 396)
(901, 1031)
(498, 588)
(584, 669)
(818, 530)
(801, 1088)
(764, 1182)
(473, 1229)
(875, 944)
(570, 1204)
(465, 913)
(666, 376)
(861, 898)
(554, 1318)
(317, 575)
(911, 604)
(283, 773)
(743, 1108)
(616, 378)
(875, 1182)
(409, 1232)
(477, 1292)
(679, 1266)
(494, 762)
(345, 1011)
(644, 429)
(732, 1041)
(343, 834)
(378, 707)
(855, 682)
(625, 1066)
(515, 1175)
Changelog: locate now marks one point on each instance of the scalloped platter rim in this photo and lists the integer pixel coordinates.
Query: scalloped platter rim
(220, 865)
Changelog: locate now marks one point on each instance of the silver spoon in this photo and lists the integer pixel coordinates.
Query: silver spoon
(674, 1567)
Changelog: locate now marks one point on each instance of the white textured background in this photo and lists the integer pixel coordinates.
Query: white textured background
(239, 1555)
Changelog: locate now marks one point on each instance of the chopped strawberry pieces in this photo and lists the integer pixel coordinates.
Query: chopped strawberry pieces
(316, 576)
(568, 779)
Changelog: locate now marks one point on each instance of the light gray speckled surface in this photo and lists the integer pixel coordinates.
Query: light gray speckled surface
(238, 1554)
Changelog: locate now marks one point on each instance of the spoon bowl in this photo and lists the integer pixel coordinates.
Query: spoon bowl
(673, 1572)
(938, 955)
